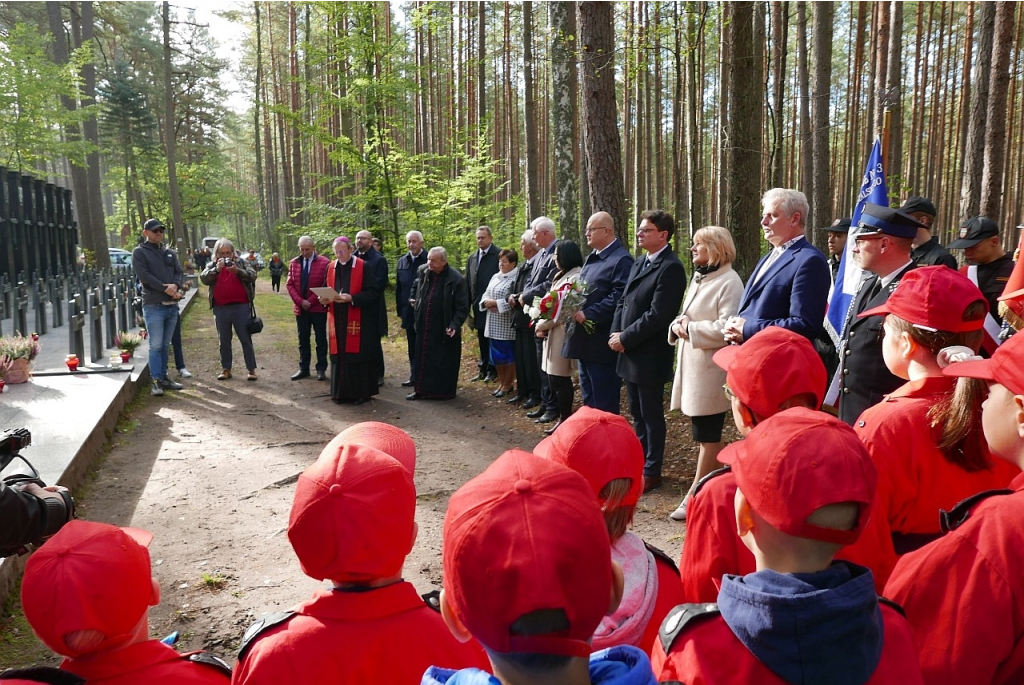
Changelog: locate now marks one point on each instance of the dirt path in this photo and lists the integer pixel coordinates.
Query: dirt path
(211, 471)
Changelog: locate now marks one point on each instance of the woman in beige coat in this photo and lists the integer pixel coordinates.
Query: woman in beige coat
(713, 296)
(569, 263)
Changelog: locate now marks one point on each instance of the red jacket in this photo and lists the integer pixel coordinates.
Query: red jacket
(152, 663)
(712, 548)
(670, 593)
(706, 652)
(317, 279)
(382, 635)
(914, 479)
(964, 596)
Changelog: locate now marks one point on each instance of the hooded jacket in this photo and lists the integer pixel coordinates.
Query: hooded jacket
(800, 629)
(615, 666)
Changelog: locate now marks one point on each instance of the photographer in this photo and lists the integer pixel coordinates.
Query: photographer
(30, 510)
(232, 288)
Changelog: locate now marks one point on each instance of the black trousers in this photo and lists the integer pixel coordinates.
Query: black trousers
(410, 338)
(547, 397)
(315, 322)
(561, 387)
(527, 371)
(485, 364)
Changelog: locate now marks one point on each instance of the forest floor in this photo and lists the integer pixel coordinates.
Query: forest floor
(210, 470)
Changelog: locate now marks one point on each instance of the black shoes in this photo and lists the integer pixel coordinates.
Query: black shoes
(515, 399)
(536, 413)
(320, 376)
(412, 396)
(490, 378)
(531, 403)
(480, 376)
(547, 417)
(408, 384)
(361, 400)
(300, 374)
(549, 431)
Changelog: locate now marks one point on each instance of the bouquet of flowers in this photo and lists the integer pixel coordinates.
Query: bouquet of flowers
(126, 340)
(19, 346)
(561, 305)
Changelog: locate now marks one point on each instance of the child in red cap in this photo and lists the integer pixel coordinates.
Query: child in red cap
(924, 437)
(352, 521)
(963, 593)
(87, 592)
(775, 370)
(528, 572)
(805, 487)
(604, 449)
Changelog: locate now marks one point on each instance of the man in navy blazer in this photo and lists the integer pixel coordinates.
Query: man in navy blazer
(649, 303)
(605, 272)
(377, 263)
(789, 286)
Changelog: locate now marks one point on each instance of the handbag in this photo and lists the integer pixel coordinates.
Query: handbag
(255, 324)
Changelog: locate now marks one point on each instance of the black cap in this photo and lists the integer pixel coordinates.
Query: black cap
(879, 220)
(916, 203)
(838, 226)
(973, 231)
(152, 224)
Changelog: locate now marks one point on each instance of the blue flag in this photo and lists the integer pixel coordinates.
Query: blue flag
(848, 278)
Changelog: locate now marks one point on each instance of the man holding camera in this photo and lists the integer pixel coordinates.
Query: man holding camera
(30, 510)
(160, 274)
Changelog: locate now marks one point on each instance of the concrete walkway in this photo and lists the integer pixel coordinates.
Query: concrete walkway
(70, 415)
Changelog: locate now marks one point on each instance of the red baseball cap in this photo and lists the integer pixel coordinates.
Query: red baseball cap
(88, 576)
(353, 515)
(797, 461)
(391, 440)
(527, 535)
(770, 368)
(932, 297)
(601, 447)
(1006, 366)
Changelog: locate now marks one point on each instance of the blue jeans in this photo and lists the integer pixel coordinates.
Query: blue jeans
(161, 321)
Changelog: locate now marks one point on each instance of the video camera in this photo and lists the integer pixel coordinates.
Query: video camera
(38, 517)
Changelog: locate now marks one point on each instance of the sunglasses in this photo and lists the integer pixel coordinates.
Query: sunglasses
(157, 230)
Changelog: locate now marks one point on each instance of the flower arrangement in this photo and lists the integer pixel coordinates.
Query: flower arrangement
(561, 304)
(19, 346)
(126, 340)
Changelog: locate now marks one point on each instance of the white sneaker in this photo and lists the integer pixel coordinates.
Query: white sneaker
(184, 373)
(680, 513)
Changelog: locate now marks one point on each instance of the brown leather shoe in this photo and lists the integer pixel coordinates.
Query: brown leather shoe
(252, 375)
(224, 375)
(651, 482)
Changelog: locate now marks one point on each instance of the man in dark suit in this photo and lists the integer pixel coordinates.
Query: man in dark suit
(537, 285)
(650, 300)
(789, 286)
(405, 288)
(882, 248)
(927, 251)
(480, 267)
(605, 272)
(527, 373)
(376, 262)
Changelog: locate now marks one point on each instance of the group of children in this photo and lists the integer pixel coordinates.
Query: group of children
(789, 548)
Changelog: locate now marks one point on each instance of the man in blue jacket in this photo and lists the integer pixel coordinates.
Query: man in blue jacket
(605, 272)
(405, 289)
(160, 274)
(789, 286)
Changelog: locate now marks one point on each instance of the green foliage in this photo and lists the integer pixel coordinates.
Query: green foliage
(30, 89)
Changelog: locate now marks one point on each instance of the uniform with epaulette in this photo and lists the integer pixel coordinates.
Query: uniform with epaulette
(964, 593)
(915, 478)
(352, 522)
(798, 471)
(86, 593)
(771, 370)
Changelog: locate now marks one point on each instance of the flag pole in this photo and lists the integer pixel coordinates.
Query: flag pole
(886, 125)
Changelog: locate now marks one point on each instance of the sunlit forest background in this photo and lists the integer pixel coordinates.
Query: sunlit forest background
(443, 116)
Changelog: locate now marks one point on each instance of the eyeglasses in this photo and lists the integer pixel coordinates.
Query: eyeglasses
(646, 230)
(728, 392)
(157, 230)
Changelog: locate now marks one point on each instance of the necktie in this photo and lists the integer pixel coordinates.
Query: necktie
(772, 258)
(479, 258)
(875, 289)
(304, 282)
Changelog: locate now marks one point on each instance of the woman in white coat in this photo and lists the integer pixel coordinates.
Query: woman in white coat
(569, 263)
(713, 296)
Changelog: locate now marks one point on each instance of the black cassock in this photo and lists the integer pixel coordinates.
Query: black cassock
(442, 302)
(354, 374)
